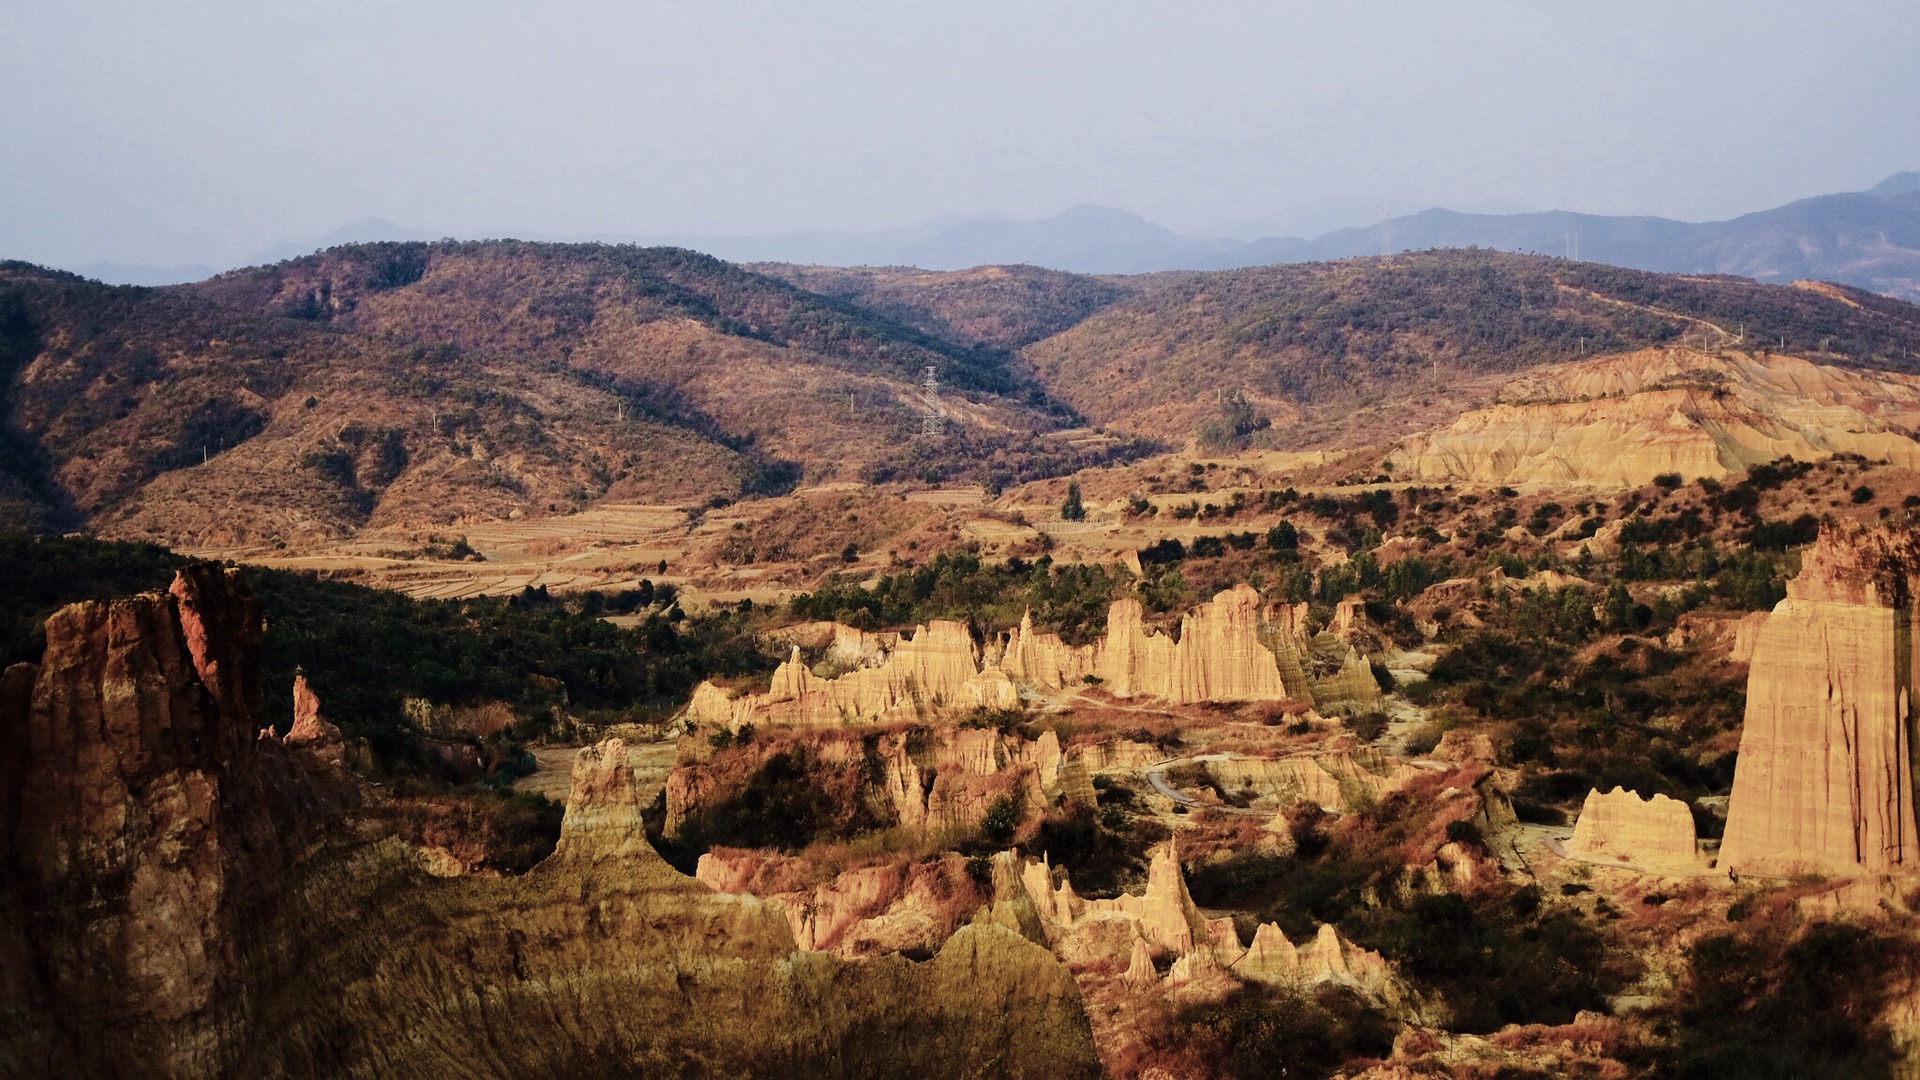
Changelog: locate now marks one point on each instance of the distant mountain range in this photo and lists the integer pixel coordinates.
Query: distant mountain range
(1870, 239)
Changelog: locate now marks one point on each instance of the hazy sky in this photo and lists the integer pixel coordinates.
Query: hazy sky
(204, 131)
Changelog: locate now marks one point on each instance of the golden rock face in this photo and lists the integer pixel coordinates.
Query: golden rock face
(1825, 779)
(1622, 420)
(1620, 825)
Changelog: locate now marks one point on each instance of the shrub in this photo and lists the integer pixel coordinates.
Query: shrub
(787, 802)
(997, 825)
(1072, 509)
(1780, 535)
(1261, 1031)
(1766, 1003)
(1496, 961)
(1098, 848)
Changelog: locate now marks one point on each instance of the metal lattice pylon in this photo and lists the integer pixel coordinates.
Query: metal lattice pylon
(932, 419)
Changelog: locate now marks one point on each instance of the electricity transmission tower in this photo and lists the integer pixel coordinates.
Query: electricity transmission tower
(931, 418)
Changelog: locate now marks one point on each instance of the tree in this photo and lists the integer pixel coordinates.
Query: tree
(1072, 509)
(1619, 607)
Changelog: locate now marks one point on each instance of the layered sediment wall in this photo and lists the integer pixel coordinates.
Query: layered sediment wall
(1825, 776)
(1619, 825)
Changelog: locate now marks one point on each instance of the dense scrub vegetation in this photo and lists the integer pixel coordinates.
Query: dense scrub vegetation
(788, 799)
(1260, 1031)
(1502, 956)
(1773, 1000)
(1069, 600)
(1000, 460)
(365, 651)
(45, 573)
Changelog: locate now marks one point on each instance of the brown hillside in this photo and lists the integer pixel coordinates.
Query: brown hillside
(408, 387)
(417, 385)
(1412, 338)
(1000, 307)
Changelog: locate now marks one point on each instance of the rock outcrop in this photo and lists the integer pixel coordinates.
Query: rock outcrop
(1622, 420)
(1335, 781)
(1219, 654)
(1825, 777)
(866, 911)
(181, 897)
(1620, 826)
(1131, 931)
(311, 732)
(1328, 958)
(937, 666)
(1228, 649)
(149, 822)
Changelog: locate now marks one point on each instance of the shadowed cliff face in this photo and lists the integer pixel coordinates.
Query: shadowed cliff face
(182, 895)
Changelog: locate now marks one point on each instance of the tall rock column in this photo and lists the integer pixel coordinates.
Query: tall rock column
(150, 823)
(1825, 776)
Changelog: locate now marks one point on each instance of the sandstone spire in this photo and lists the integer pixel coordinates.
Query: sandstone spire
(1825, 778)
(310, 730)
(603, 810)
(1140, 973)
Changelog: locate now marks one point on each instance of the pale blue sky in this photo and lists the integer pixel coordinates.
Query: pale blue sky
(205, 131)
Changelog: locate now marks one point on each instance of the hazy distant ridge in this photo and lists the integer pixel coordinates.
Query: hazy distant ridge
(1868, 238)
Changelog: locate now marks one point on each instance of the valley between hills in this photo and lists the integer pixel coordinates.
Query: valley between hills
(512, 659)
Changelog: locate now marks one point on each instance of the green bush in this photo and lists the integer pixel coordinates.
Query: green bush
(786, 803)
(997, 825)
(1259, 1031)
(1772, 1005)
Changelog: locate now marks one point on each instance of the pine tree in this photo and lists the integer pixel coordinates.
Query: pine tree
(1072, 510)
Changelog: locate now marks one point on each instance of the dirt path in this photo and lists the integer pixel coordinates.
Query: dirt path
(1157, 776)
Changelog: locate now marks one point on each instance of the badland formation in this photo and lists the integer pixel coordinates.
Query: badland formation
(535, 660)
